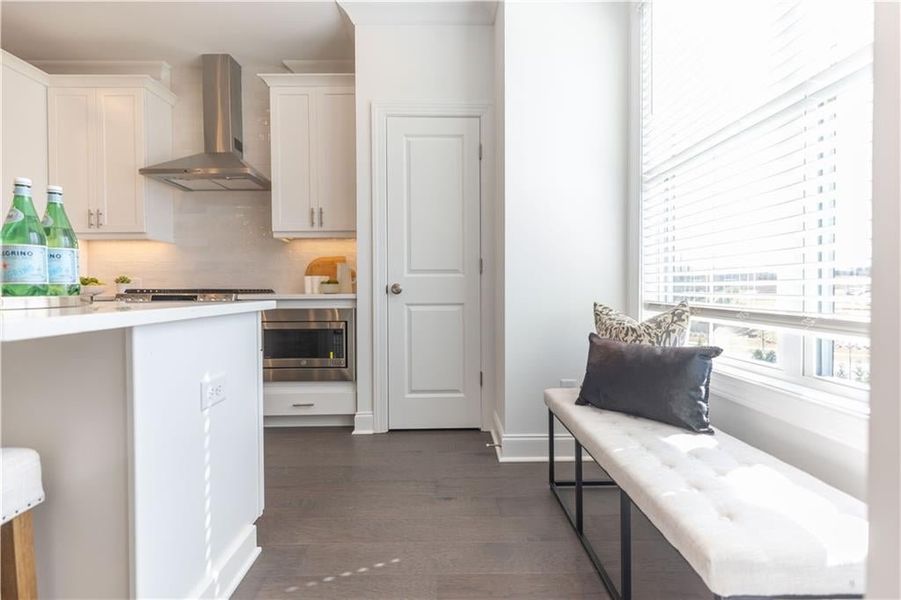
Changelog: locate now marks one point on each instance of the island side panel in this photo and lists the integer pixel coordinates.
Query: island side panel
(66, 397)
(196, 471)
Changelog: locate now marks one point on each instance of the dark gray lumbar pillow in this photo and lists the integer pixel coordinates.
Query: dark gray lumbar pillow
(666, 384)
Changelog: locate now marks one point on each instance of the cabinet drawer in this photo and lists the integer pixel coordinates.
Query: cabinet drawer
(291, 399)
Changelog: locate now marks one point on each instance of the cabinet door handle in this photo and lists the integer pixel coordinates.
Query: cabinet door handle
(99, 218)
(302, 404)
(312, 217)
(320, 216)
(90, 219)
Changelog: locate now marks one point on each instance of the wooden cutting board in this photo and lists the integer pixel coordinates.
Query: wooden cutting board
(327, 265)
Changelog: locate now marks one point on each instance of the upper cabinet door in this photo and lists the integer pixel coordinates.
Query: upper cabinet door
(293, 187)
(120, 199)
(337, 160)
(313, 154)
(71, 152)
(102, 130)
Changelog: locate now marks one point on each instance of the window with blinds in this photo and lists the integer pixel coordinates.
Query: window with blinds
(755, 154)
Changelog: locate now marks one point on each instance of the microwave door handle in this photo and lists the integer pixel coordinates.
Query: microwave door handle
(305, 325)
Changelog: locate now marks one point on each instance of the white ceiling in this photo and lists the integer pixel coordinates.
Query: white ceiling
(254, 32)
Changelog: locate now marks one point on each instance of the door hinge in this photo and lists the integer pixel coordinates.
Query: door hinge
(481, 266)
(481, 378)
(480, 151)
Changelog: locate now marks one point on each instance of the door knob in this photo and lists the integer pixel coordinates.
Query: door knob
(396, 289)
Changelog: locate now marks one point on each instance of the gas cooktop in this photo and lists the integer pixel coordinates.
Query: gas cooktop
(188, 294)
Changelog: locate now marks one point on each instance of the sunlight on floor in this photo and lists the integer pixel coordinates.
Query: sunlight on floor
(330, 578)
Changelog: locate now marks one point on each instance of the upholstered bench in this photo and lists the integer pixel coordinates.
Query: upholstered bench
(749, 524)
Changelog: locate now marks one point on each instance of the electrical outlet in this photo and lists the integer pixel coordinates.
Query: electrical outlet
(569, 383)
(213, 390)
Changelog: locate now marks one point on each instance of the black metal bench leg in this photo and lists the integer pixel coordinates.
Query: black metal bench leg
(550, 448)
(578, 459)
(625, 534)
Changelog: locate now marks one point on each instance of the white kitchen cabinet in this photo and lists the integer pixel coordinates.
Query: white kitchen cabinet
(24, 129)
(102, 129)
(152, 491)
(313, 140)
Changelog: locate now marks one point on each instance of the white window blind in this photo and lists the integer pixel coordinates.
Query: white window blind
(756, 136)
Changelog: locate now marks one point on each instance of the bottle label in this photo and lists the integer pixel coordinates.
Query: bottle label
(24, 263)
(14, 215)
(62, 265)
(55, 198)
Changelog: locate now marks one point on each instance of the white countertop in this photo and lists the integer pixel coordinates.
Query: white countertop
(277, 296)
(39, 323)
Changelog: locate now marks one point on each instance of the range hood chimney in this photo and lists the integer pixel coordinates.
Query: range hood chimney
(221, 166)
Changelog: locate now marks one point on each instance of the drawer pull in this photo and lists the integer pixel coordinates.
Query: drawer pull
(301, 404)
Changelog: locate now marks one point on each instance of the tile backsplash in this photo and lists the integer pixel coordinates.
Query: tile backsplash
(221, 239)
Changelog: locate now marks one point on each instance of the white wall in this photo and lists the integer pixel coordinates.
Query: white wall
(565, 177)
(221, 239)
(409, 64)
(884, 491)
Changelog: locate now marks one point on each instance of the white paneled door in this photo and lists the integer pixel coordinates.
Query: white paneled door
(433, 183)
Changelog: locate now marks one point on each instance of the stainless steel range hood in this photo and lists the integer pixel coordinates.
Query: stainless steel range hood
(221, 167)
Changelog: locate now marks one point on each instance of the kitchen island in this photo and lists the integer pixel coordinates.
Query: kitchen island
(148, 419)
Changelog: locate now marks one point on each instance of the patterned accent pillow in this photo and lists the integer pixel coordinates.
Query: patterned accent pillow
(666, 329)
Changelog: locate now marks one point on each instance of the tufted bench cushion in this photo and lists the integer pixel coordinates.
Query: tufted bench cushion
(20, 482)
(748, 523)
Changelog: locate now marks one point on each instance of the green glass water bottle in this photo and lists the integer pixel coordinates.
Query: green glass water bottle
(62, 247)
(23, 245)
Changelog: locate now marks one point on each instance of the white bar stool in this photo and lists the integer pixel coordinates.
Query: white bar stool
(22, 490)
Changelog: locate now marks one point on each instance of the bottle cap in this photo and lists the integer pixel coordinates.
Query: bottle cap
(54, 189)
(23, 181)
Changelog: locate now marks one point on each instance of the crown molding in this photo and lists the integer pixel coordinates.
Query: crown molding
(307, 79)
(157, 69)
(25, 68)
(339, 65)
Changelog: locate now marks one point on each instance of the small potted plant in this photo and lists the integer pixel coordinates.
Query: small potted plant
(91, 286)
(330, 286)
(123, 282)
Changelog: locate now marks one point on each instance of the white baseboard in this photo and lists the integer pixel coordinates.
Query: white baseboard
(309, 421)
(363, 423)
(530, 447)
(222, 581)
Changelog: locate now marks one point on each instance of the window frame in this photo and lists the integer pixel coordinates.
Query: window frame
(762, 387)
(797, 353)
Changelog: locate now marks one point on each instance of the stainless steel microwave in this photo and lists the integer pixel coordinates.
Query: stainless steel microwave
(309, 344)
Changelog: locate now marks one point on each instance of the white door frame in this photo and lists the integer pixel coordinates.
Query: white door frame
(381, 112)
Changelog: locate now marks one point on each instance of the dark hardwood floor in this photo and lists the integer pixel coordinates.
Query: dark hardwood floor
(432, 514)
